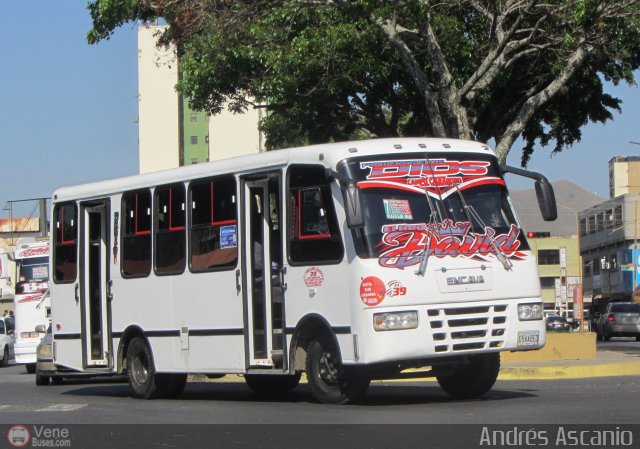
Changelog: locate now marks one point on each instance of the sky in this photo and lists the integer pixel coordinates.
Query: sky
(68, 110)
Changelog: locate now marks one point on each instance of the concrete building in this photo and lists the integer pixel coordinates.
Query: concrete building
(170, 133)
(624, 175)
(609, 233)
(559, 269)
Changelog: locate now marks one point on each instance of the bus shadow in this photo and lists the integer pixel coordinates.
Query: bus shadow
(377, 395)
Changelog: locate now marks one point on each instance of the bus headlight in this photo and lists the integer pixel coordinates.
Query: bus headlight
(391, 321)
(529, 312)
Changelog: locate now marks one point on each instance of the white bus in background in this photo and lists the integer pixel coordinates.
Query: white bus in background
(348, 261)
(31, 302)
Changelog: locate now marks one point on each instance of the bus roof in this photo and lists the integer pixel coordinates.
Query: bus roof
(332, 153)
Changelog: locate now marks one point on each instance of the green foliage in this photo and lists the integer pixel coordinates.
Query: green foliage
(326, 73)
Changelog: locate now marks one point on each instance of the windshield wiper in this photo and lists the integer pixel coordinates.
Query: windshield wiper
(471, 214)
(432, 226)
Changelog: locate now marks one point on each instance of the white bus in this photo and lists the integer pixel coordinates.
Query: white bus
(31, 302)
(348, 261)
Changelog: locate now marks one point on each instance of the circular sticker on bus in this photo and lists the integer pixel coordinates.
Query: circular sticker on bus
(313, 277)
(372, 290)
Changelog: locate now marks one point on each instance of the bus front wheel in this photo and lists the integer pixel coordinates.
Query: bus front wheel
(331, 382)
(143, 379)
(473, 379)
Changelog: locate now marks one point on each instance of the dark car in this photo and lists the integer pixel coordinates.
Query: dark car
(619, 320)
(556, 323)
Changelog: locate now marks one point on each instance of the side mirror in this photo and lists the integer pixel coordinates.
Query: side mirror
(544, 191)
(41, 329)
(353, 206)
(546, 200)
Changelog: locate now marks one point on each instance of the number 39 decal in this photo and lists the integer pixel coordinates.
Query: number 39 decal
(395, 288)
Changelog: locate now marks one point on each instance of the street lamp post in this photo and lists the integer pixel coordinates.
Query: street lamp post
(580, 297)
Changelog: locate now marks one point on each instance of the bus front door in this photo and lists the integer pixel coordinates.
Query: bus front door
(264, 294)
(95, 284)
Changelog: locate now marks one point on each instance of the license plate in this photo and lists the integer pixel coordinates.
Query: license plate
(528, 338)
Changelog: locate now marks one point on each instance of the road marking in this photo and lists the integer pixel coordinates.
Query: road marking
(62, 408)
(23, 408)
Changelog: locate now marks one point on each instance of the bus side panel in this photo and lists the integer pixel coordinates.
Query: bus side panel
(208, 310)
(321, 290)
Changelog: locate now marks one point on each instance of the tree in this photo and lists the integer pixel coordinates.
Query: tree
(339, 69)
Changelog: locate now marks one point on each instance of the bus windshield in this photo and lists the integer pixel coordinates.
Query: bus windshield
(409, 199)
(35, 269)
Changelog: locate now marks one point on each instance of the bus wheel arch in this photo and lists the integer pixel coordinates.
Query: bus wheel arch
(310, 327)
(129, 334)
(315, 350)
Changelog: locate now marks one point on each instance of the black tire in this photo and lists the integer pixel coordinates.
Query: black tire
(176, 384)
(472, 380)
(272, 383)
(145, 383)
(41, 380)
(31, 368)
(607, 337)
(331, 382)
(5, 357)
(57, 380)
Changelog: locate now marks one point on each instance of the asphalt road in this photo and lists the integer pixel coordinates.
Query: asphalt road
(581, 401)
(620, 344)
(100, 414)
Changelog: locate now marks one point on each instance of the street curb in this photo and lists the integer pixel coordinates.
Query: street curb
(570, 371)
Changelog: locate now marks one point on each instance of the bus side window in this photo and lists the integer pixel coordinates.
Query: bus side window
(136, 234)
(214, 231)
(313, 233)
(170, 240)
(65, 233)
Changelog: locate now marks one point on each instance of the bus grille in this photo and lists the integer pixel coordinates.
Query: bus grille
(468, 328)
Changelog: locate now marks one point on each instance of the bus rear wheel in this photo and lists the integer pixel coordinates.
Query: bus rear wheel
(331, 382)
(471, 380)
(272, 383)
(145, 383)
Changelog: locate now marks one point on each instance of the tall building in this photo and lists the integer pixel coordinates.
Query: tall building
(624, 175)
(170, 133)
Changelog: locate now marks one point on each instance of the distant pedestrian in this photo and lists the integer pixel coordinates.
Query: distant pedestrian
(5, 313)
(10, 313)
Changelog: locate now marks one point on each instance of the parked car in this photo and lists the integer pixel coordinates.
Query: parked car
(619, 320)
(7, 340)
(557, 323)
